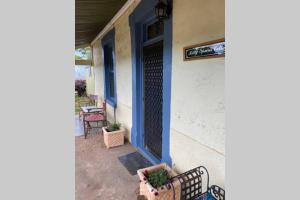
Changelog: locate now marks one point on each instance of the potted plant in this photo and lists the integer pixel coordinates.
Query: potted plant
(156, 184)
(113, 135)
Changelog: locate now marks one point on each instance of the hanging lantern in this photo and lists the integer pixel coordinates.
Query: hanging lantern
(161, 10)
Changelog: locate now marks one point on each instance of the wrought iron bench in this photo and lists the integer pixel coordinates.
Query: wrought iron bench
(195, 186)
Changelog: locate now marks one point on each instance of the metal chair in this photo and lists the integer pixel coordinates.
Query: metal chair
(217, 192)
(195, 186)
(95, 118)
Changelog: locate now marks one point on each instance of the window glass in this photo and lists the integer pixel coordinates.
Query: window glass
(110, 76)
(111, 85)
(154, 30)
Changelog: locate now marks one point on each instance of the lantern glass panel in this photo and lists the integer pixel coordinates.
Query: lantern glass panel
(160, 10)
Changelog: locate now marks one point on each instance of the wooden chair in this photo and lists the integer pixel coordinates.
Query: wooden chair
(97, 117)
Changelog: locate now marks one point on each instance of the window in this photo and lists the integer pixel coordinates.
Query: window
(109, 68)
(155, 29)
(109, 72)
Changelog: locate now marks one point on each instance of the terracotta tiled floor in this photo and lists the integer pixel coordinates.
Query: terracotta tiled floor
(99, 173)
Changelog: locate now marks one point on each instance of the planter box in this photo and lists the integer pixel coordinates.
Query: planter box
(162, 193)
(113, 139)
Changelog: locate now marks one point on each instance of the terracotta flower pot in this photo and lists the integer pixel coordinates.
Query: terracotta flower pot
(114, 138)
(162, 193)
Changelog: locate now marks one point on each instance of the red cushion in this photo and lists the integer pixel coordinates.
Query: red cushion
(93, 118)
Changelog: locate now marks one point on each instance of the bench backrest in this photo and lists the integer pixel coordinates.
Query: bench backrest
(195, 182)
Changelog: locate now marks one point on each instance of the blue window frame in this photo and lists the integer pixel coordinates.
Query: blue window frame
(108, 49)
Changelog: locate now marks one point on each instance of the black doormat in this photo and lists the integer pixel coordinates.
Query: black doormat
(134, 161)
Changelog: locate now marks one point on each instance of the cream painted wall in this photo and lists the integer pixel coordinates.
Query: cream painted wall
(123, 72)
(197, 105)
(197, 96)
(98, 71)
(90, 81)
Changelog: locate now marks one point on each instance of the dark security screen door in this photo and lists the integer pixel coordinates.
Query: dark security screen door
(153, 97)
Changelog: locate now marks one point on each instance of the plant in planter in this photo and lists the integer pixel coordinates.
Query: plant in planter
(155, 183)
(113, 135)
(113, 127)
(158, 178)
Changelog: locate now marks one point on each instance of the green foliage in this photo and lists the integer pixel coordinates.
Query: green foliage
(158, 178)
(77, 57)
(113, 127)
(83, 53)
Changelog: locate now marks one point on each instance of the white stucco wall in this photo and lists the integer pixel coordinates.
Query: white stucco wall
(197, 133)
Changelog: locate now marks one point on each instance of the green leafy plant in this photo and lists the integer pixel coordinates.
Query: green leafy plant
(113, 127)
(158, 178)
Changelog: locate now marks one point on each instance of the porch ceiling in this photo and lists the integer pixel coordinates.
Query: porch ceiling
(91, 16)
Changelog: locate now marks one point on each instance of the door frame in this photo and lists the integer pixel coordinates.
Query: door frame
(143, 13)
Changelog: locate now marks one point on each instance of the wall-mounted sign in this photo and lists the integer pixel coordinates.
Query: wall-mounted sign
(211, 49)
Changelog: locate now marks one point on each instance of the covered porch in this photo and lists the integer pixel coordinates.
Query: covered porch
(99, 173)
(170, 107)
